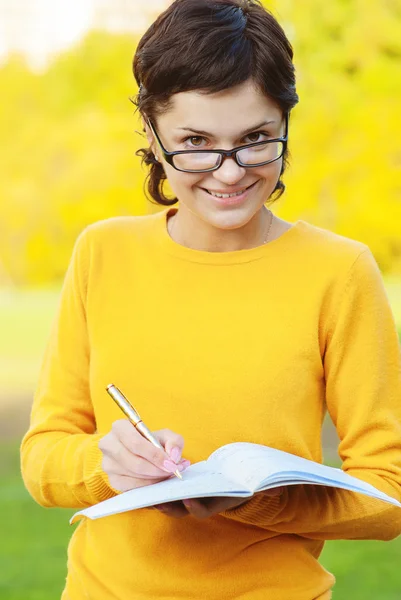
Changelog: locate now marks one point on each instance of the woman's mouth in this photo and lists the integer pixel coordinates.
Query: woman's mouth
(230, 198)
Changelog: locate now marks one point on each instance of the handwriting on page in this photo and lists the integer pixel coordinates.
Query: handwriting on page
(247, 463)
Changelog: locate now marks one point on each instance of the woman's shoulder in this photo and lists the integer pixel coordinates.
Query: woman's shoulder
(119, 225)
(322, 254)
(113, 238)
(116, 231)
(324, 245)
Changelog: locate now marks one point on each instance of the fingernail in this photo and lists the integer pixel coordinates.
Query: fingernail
(185, 464)
(170, 466)
(175, 454)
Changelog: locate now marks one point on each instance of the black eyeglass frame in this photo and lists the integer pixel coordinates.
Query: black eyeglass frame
(169, 156)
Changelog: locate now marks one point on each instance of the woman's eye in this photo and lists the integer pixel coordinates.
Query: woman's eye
(257, 136)
(195, 141)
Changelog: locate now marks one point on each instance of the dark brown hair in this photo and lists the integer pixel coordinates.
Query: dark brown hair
(209, 46)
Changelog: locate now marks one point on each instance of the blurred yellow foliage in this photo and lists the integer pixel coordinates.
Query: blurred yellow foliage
(69, 138)
(346, 131)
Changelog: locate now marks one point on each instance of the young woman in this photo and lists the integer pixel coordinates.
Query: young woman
(222, 323)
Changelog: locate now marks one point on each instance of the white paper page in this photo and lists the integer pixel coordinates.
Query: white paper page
(250, 464)
(199, 481)
(346, 483)
(253, 466)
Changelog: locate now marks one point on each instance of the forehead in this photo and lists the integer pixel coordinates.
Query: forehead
(227, 111)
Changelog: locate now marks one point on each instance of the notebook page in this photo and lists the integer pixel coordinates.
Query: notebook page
(250, 464)
(198, 481)
(255, 466)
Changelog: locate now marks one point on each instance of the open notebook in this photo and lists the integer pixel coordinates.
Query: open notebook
(238, 470)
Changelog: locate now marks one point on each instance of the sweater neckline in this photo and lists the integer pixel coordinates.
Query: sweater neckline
(168, 245)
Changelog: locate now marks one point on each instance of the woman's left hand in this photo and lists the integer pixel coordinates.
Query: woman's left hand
(206, 507)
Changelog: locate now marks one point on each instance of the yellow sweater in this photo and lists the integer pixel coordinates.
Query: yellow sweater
(253, 345)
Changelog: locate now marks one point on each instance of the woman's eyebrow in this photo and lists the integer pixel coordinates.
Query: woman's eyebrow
(201, 132)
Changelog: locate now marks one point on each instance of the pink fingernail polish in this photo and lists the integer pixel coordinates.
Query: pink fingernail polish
(170, 466)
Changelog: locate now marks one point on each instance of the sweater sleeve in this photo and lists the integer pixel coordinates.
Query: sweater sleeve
(60, 458)
(362, 367)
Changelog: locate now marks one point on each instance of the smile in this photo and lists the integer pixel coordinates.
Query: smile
(228, 195)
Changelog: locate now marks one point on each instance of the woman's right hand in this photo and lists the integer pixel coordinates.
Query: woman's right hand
(131, 461)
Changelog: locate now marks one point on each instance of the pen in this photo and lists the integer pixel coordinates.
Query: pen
(134, 418)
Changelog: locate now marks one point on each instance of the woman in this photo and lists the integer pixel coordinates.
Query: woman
(221, 323)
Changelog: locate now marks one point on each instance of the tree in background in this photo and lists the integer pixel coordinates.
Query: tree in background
(346, 130)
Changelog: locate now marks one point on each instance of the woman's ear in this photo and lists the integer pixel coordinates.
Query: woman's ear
(147, 130)
(150, 137)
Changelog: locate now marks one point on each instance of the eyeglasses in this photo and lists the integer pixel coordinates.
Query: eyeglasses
(203, 161)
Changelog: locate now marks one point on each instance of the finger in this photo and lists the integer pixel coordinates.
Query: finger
(137, 444)
(173, 443)
(123, 462)
(207, 507)
(133, 441)
(118, 459)
(140, 446)
(173, 509)
(197, 509)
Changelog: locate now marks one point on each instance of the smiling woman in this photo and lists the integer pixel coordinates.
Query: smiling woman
(224, 324)
(222, 176)
(234, 93)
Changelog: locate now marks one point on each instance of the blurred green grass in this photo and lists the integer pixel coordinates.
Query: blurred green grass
(33, 541)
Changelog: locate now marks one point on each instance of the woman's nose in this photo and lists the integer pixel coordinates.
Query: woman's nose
(229, 172)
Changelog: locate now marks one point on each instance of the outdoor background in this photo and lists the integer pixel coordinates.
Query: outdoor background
(67, 158)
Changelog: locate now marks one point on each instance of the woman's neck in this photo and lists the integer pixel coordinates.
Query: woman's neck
(187, 229)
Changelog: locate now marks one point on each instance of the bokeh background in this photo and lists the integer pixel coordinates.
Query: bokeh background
(67, 158)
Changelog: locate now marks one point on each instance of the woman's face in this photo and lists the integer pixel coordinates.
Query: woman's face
(234, 117)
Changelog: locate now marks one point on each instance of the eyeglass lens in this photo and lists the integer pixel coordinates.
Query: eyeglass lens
(199, 161)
